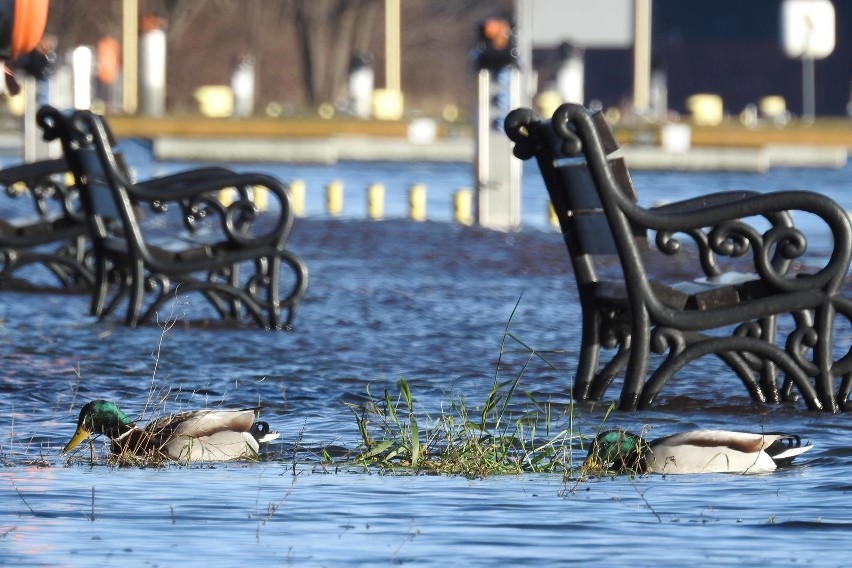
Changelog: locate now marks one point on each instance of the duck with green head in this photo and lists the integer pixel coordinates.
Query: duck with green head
(193, 436)
(697, 451)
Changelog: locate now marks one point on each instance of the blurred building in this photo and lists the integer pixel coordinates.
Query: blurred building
(730, 48)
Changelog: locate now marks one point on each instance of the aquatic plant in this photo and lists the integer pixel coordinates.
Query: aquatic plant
(497, 438)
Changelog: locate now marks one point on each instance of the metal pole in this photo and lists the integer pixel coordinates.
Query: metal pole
(808, 89)
(30, 130)
(483, 148)
(393, 81)
(523, 29)
(642, 55)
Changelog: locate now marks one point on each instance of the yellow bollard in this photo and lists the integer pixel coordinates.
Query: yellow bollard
(297, 197)
(376, 201)
(551, 215)
(463, 206)
(227, 196)
(260, 197)
(334, 198)
(417, 202)
(19, 188)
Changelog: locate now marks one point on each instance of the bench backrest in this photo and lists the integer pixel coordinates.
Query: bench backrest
(575, 194)
(100, 174)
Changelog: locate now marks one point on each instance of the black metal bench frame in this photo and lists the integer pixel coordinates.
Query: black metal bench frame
(734, 319)
(49, 230)
(232, 254)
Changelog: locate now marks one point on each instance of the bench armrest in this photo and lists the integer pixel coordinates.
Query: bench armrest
(32, 172)
(244, 208)
(720, 226)
(184, 177)
(40, 182)
(722, 222)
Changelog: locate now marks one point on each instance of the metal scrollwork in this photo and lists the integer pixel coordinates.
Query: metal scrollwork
(734, 318)
(46, 232)
(195, 243)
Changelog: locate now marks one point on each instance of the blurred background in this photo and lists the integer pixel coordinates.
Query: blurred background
(418, 57)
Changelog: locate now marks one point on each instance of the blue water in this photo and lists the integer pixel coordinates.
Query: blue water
(393, 299)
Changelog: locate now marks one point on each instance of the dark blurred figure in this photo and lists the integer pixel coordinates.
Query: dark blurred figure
(40, 64)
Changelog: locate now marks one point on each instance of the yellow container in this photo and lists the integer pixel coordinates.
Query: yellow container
(387, 104)
(215, 100)
(707, 109)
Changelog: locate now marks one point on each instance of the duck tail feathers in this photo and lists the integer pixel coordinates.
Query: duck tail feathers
(786, 448)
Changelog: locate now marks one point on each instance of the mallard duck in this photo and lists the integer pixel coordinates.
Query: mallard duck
(698, 451)
(192, 436)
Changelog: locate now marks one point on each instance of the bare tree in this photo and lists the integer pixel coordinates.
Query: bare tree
(327, 32)
(330, 32)
(302, 48)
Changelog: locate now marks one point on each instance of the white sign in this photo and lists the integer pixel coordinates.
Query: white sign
(807, 28)
(602, 23)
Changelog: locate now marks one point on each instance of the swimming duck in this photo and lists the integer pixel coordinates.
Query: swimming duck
(192, 436)
(698, 451)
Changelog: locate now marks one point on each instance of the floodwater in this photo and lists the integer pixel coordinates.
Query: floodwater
(428, 302)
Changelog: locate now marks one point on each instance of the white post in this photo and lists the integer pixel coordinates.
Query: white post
(81, 73)
(152, 69)
(498, 173)
(642, 56)
(243, 84)
(361, 84)
(130, 55)
(807, 33)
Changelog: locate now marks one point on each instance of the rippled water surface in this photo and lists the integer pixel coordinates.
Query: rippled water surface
(428, 302)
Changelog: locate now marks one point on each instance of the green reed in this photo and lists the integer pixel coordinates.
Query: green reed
(502, 436)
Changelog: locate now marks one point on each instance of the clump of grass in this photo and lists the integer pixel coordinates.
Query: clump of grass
(490, 441)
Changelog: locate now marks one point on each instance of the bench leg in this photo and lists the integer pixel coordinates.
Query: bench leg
(297, 291)
(769, 371)
(822, 357)
(272, 291)
(637, 363)
(610, 370)
(844, 391)
(136, 292)
(235, 305)
(590, 349)
(99, 292)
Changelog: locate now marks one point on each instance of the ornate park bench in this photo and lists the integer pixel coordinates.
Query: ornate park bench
(41, 225)
(753, 302)
(227, 251)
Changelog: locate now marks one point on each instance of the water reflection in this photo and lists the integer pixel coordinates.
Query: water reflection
(263, 513)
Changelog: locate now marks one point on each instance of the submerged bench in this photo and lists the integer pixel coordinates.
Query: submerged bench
(227, 251)
(749, 267)
(41, 225)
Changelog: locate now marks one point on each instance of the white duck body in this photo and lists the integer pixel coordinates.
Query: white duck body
(210, 435)
(722, 451)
